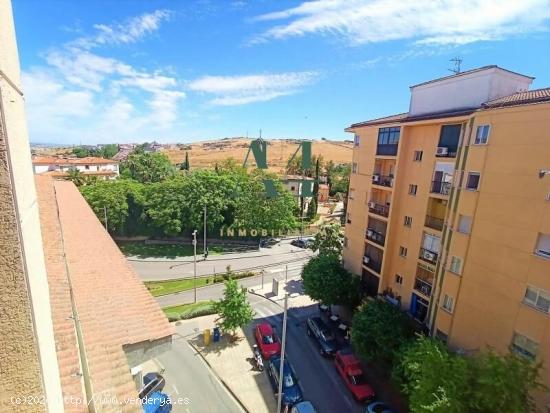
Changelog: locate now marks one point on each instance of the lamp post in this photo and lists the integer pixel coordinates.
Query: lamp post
(204, 235)
(281, 366)
(195, 264)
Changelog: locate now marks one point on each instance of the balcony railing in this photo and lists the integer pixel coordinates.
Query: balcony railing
(444, 152)
(386, 150)
(428, 256)
(440, 187)
(371, 263)
(383, 210)
(423, 286)
(434, 222)
(376, 236)
(383, 180)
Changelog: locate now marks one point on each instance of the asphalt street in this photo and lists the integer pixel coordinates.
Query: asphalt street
(190, 380)
(162, 269)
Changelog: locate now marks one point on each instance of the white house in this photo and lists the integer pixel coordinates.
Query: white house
(59, 166)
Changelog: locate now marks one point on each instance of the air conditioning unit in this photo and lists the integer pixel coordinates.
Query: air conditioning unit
(442, 150)
(371, 204)
(376, 178)
(369, 232)
(543, 253)
(366, 260)
(430, 256)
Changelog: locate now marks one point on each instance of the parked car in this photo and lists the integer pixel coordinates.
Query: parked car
(302, 242)
(317, 329)
(292, 392)
(303, 407)
(379, 407)
(350, 369)
(269, 242)
(267, 340)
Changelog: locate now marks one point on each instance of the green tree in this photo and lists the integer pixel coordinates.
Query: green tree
(329, 240)
(327, 281)
(436, 380)
(165, 203)
(379, 329)
(294, 166)
(234, 309)
(110, 197)
(502, 384)
(76, 177)
(339, 179)
(108, 151)
(185, 163)
(147, 167)
(81, 152)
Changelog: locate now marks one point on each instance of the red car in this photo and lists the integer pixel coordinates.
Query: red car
(267, 341)
(350, 369)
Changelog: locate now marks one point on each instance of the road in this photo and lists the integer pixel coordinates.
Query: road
(191, 381)
(276, 256)
(318, 377)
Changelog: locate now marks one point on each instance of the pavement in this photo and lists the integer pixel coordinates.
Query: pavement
(280, 255)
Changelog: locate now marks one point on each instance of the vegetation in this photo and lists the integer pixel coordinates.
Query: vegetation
(106, 151)
(234, 309)
(143, 250)
(325, 280)
(185, 165)
(147, 167)
(329, 240)
(440, 381)
(187, 311)
(337, 178)
(379, 330)
(76, 177)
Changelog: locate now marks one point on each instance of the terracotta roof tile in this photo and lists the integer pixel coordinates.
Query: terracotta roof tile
(113, 305)
(55, 160)
(520, 98)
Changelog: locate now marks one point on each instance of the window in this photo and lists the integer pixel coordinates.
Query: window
(448, 302)
(87, 167)
(354, 168)
(449, 138)
(412, 189)
(402, 251)
(456, 265)
(482, 134)
(388, 136)
(464, 224)
(356, 140)
(417, 156)
(543, 246)
(408, 221)
(524, 346)
(398, 279)
(431, 243)
(472, 183)
(292, 188)
(537, 298)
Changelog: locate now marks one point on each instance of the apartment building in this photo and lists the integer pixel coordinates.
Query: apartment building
(60, 166)
(449, 212)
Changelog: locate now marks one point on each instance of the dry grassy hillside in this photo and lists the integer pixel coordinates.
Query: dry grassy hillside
(207, 154)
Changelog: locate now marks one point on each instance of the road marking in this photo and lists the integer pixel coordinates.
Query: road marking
(175, 389)
(274, 270)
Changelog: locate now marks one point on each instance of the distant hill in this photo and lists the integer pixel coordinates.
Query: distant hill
(206, 154)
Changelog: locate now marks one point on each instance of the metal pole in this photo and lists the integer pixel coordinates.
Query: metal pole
(263, 271)
(105, 213)
(283, 345)
(286, 273)
(195, 264)
(204, 234)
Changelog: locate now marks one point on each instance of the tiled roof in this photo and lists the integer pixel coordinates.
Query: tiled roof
(113, 305)
(520, 98)
(54, 160)
(94, 173)
(387, 119)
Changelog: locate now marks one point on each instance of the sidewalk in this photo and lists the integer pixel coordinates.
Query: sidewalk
(293, 287)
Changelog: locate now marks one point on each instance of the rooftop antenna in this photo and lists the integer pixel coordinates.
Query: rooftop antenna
(456, 61)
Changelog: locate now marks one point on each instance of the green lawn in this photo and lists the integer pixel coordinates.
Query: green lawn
(185, 311)
(142, 250)
(157, 288)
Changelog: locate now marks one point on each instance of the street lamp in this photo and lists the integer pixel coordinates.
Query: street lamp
(281, 366)
(195, 264)
(204, 251)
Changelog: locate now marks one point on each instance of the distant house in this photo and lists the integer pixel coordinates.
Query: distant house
(59, 166)
(323, 194)
(294, 183)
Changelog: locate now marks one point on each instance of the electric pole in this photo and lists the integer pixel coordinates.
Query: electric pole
(281, 367)
(204, 235)
(195, 264)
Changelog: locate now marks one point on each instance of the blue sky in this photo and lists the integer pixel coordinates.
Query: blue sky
(179, 71)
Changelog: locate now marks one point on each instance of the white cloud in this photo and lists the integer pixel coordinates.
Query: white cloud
(425, 21)
(120, 33)
(239, 90)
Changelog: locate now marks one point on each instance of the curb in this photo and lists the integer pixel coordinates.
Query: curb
(222, 381)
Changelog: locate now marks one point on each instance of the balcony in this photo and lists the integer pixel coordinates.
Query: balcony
(376, 236)
(378, 209)
(444, 152)
(440, 187)
(423, 287)
(386, 149)
(434, 222)
(382, 180)
(428, 256)
(372, 263)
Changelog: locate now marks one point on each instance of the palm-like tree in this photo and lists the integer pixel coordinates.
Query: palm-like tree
(76, 177)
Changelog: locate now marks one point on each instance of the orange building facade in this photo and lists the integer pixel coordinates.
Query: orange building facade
(449, 212)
